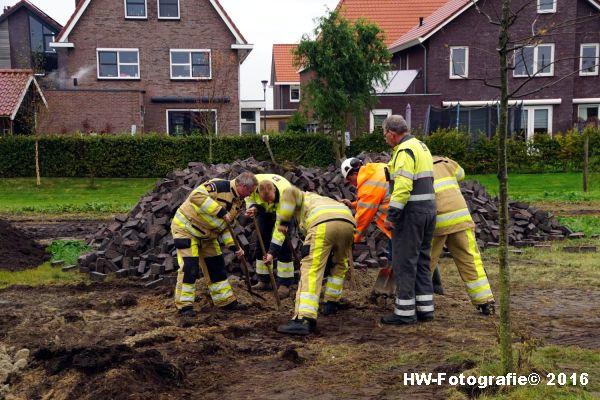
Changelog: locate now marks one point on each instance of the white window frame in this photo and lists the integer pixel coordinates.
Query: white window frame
(118, 50)
(178, 11)
(136, 16)
(190, 51)
(192, 110)
(581, 71)
(534, 73)
(552, 10)
(588, 105)
(299, 93)
(377, 111)
(529, 132)
(466, 75)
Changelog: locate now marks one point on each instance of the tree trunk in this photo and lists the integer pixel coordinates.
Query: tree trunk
(38, 180)
(504, 273)
(586, 153)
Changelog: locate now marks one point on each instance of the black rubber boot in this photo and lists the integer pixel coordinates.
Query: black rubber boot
(436, 279)
(187, 312)
(425, 317)
(488, 308)
(393, 319)
(235, 306)
(329, 307)
(300, 327)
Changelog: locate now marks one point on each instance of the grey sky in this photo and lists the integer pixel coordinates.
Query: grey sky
(262, 22)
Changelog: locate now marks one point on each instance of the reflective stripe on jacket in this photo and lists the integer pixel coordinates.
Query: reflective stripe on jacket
(205, 207)
(372, 192)
(411, 171)
(452, 212)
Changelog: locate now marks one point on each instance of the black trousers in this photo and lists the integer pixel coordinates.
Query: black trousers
(411, 243)
(266, 224)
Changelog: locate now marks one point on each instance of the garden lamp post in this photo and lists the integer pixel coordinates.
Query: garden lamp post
(264, 85)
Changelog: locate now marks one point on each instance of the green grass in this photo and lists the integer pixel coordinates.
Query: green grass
(71, 195)
(587, 224)
(45, 274)
(562, 187)
(67, 250)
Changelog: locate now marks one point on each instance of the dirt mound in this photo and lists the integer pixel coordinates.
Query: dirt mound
(18, 250)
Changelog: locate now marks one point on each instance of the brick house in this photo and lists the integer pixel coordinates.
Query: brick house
(25, 36)
(167, 66)
(20, 101)
(439, 64)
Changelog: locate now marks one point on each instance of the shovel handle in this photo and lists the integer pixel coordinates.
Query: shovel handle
(244, 262)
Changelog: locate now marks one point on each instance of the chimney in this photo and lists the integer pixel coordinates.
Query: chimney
(420, 21)
(5, 9)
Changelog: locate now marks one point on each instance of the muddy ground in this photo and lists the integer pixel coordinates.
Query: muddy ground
(118, 340)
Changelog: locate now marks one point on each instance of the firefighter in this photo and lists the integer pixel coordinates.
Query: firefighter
(196, 228)
(455, 228)
(267, 212)
(372, 200)
(411, 213)
(329, 229)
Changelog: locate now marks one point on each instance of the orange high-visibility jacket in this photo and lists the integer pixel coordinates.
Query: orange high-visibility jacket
(372, 199)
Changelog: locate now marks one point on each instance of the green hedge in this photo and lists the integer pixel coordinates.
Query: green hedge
(478, 155)
(151, 155)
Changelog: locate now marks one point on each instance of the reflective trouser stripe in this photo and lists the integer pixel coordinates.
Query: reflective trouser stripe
(261, 268)
(308, 305)
(404, 307)
(404, 313)
(425, 308)
(285, 269)
(334, 288)
(188, 292)
(424, 303)
(479, 291)
(221, 293)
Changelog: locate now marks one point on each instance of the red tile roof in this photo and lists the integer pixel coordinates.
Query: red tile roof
(13, 86)
(24, 3)
(283, 64)
(394, 17)
(441, 16)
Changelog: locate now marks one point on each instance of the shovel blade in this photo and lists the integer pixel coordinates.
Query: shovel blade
(385, 284)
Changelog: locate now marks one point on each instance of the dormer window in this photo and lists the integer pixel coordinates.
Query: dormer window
(135, 9)
(168, 9)
(546, 6)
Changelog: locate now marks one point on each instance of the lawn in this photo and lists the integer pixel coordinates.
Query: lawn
(71, 195)
(559, 187)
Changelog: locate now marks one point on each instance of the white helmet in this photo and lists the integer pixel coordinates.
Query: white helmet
(350, 165)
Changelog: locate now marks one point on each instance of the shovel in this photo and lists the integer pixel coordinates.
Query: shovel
(385, 284)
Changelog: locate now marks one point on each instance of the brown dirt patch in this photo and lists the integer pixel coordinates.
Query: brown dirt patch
(18, 250)
(46, 230)
(116, 340)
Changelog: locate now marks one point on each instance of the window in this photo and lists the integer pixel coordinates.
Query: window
(546, 6)
(459, 62)
(248, 121)
(294, 93)
(588, 64)
(40, 36)
(118, 63)
(135, 9)
(168, 9)
(190, 64)
(536, 120)
(534, 61)
(186, 122)
(376, 118)
(588, 112)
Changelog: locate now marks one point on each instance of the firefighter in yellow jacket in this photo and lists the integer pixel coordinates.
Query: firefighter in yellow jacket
(271, 188)
(455, 228)
(199, 223)
(412, 214)
(329, 229)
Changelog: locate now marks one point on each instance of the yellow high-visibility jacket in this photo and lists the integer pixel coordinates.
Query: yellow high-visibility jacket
(312, 209)
(372, 199)
(452, 212)
(203, 211)
(411, 170)
(281, 204)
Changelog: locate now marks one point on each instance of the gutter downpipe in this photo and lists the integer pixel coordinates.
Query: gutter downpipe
(424, 68)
